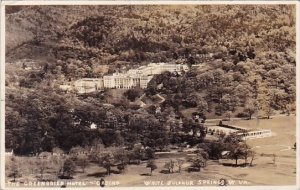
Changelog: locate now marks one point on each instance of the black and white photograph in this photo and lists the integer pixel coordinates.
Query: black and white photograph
(150, 95)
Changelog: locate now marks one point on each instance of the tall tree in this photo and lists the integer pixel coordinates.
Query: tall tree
(250, 108)
(42, 164)
(152, 165)
(170, 166)
(69, 168)
(14, 169)
(82, 161)
(179, 164)
(107, 160)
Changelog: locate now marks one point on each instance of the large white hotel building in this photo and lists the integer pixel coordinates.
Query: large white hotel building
(134, 77)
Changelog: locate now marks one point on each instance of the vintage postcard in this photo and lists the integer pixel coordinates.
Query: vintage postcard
(148, 94)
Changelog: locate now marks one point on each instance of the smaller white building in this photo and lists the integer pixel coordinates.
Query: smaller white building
(9, 152)
(66, 87)
(88, 85)
(93, 126)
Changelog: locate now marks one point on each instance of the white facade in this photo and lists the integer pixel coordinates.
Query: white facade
(88, 85)
(118, 80)
(123, 81)
(109, 81)
(144, 81)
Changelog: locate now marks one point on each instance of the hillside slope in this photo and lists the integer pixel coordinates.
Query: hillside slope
(242, 60)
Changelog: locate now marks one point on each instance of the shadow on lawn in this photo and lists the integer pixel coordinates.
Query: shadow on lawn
(145, 174)
(234, 165)
(164, 172)
(102, 174)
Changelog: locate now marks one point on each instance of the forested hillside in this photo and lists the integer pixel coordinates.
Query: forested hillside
(251, 68)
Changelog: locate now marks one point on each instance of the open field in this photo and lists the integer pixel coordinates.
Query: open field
(283, 134)
(264, 171)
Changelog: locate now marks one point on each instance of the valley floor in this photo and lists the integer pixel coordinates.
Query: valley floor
(263, 172)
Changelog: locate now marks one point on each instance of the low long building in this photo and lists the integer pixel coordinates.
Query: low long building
(254, 134)
(244, 133)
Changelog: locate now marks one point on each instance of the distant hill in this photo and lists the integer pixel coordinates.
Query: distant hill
(142, 30)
